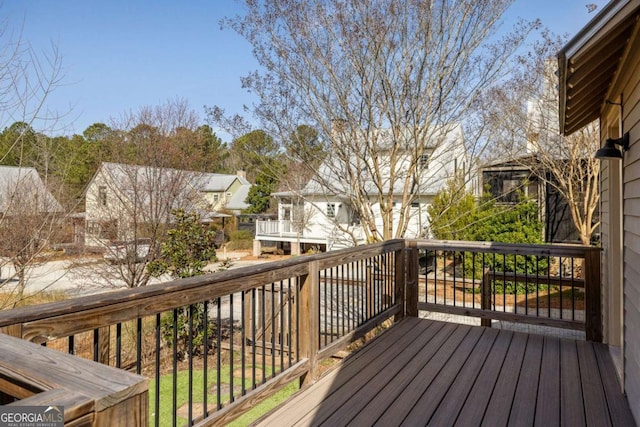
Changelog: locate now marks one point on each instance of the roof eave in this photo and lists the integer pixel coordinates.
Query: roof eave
(610, 24)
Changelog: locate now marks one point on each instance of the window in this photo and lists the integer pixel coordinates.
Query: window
(331, 210)
(415, 204)
(93, 228)
(216, 197)
(102, 195)
(424, 161)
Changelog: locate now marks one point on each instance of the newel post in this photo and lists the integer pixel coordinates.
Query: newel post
(592, 295)
(309, 334)
(411, 280)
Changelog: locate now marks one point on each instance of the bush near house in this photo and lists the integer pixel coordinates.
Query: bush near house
(456, 214)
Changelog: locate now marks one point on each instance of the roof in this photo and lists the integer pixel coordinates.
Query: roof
(199, 181)
(590, 61)
(204, 181)
(217, 182)
(518, 162)
(17, 183)
(237, 201)
(446, 147)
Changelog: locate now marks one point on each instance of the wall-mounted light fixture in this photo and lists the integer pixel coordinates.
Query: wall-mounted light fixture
(611, 150)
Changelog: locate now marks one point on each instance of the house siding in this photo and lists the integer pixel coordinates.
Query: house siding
(631, 225)
(605, 239)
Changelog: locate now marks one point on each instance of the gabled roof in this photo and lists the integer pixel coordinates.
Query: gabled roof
(237, 201)
(519, 162)
(217, 182)
(121, 175)
(589, 62)
(14, 180)
(445, 147)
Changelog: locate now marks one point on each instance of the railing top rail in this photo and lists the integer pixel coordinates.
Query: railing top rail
(89, 386)
(567, 250)
(181, 292)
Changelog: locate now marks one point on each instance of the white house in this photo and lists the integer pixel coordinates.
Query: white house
(121, 200)
(22, 191)
(321, 216)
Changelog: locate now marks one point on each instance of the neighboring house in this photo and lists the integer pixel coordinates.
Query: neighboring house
(599, 72)
(120, 199)
(226, 192)
(320, 217)
(23, 192)
(511, 181)
(29, 215)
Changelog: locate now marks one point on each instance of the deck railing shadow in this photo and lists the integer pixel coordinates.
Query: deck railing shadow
(214, 346)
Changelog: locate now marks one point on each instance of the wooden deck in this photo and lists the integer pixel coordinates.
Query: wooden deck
(426, 372)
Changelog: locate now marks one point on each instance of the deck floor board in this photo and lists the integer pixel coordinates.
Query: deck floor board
(424, 372)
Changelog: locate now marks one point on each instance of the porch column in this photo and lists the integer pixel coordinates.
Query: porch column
(295, 248)
(257, 248)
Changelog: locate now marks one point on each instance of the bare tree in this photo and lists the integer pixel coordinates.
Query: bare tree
(29, 213)
(29, 219)
(129, 201)
(382, 82)
(523, 114)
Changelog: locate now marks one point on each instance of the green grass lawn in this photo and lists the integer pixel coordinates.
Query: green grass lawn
(166, 396)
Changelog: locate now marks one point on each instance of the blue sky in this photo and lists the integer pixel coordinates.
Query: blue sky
(119, 55)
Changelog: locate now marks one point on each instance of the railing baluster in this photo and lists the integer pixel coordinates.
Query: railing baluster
(174, 389)
(156, 400)
(344, 302)
(231, 389)
(219, 353)
(243, 338)
(325, 292)
(205, 358)
(560, 287)
(119, 345)
(190, 373)
(139, 346)
(281, 334)
(289, 321)
(263, 303)
(273, 330)
(254, 319)
(96, 344)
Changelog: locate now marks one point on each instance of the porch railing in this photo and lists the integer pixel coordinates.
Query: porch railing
(279, 228)
(215, 345)
(545, 285)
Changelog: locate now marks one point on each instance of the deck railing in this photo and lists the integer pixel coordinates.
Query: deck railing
(277, 228)
(546, 285)
(215, 345)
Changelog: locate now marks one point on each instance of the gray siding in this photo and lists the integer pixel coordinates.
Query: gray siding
(631, 228)
(604, 238)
